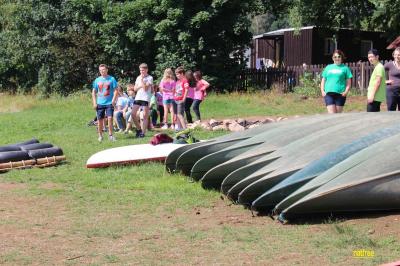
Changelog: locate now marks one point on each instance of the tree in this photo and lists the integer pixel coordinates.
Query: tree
(56, 45)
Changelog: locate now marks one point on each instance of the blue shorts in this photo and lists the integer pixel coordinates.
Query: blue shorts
(333, 98)
(104, 110)
(141, 103)
(168, 101)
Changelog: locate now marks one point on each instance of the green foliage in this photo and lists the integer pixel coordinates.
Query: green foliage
(55, 46)
(309, 85)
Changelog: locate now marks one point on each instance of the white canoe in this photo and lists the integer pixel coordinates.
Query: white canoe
(131, 154)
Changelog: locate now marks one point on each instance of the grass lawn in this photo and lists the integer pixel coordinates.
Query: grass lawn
(70, 215)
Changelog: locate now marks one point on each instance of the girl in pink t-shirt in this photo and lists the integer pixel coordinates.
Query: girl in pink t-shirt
(181, 90)
(190, 95)
(199, 93)
(167, 87)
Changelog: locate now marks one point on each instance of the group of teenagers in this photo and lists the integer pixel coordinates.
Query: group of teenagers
(176, 93)
(336, 82)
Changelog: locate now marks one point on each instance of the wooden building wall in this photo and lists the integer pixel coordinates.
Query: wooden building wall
(298, 49)
(265, 49)
(309, 46)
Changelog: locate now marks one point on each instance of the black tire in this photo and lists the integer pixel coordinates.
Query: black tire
(31, 141)
(13, 156)
(9, 148)
(47, 152)
(16, 146)
(35, 146)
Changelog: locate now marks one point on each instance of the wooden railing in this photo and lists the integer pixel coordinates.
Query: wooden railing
(287, 78)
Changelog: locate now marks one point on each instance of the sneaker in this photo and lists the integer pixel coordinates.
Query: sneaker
(172, 126)
(141, 135)
(120, 131)
(138, 132)
(126, 132)
(100, 138)
(112, 138)
(165, 126)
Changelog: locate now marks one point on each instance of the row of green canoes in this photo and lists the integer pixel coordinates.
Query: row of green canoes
(317, 164)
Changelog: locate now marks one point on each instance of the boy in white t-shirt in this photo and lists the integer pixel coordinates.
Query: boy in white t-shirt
(143, 89)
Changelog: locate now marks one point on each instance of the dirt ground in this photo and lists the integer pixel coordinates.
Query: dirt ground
(39, 230)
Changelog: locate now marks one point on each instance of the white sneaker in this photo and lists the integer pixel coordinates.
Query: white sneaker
(100, 138)
(177, 127)
(172, 126)
(112, 138)
(165, 126)
(120, 131)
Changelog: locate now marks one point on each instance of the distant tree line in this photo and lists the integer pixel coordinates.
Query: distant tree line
(56, 45)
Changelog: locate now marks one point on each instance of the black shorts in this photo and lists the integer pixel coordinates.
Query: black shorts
(374, 106)
(333, 98)
(141, 103)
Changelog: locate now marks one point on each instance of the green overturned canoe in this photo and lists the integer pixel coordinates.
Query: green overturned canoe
(271, 141)
(313, 147)
(370, 185)
(289, 128)
(289, 185)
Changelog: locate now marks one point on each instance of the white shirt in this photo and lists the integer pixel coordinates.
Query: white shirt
(141, 94)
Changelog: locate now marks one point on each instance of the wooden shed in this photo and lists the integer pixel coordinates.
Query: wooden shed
(314, 45)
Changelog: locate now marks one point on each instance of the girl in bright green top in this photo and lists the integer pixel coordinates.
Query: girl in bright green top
(335, 83)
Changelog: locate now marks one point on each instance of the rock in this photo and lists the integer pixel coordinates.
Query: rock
(219, 127)
(234, 127)
(214, 122)
(192, 126)
(268, 120)
(280, 119)
(241, 122)
(226, 122)
(206, 126)
(253, 125)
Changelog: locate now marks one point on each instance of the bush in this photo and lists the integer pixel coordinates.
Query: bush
(309, 85)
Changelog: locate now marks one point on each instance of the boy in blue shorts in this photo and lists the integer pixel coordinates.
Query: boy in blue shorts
(104, 98)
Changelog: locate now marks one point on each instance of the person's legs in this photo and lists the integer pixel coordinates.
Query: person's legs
(154, 117)
(174, 113)
(330, 103)
(120, 120)
(166, 107)
(100, 114)
(134, 117)
(181, 117)
(339, 109)
(196, 108)
(339, 103)
(127, 117)
(188, 104)
(161, 112)
(146, 113)
(397, 98)
(331, 108)
(391, 102)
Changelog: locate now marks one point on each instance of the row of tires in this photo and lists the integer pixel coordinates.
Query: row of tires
(28, 150)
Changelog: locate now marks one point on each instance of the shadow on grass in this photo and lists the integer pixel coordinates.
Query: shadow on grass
(328, 218)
